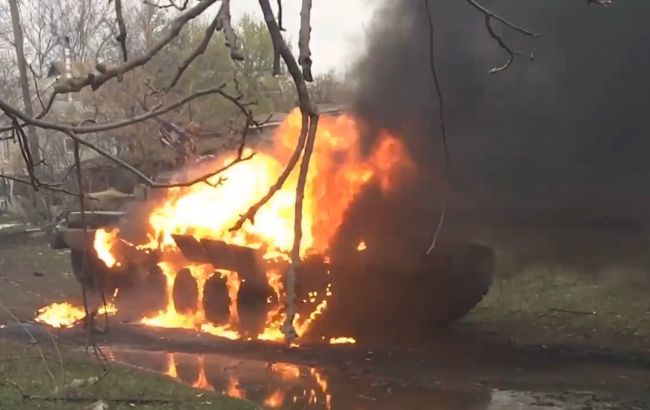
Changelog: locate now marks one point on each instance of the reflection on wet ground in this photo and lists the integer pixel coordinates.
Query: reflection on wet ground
(290, 386)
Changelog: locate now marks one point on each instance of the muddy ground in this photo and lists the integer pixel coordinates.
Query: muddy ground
(546, 336)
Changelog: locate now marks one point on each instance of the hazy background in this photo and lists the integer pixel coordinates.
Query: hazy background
(556, 148)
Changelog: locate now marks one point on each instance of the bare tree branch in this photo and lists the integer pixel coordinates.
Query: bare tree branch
(500, 19)
(44, 185)
(12, 111)
(171, 4)
(502, 44)
(304, 58)
(280, 16)
(145, 178)
(489, 16)
(38, 93)
(109, 72)
(22, 68)
(121, 37)
(602, 3)
(306, 107)
(249, 215)
(209, 31)
(222, 21)
(307, 138)
(225, 23)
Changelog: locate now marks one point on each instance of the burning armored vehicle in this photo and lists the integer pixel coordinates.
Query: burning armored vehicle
(174, 259)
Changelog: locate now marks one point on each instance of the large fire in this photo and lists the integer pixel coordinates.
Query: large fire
(338, 171)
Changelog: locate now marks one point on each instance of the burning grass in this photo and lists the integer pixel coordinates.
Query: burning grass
(25, 368)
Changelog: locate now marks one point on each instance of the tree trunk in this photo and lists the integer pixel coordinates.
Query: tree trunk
(34, 146)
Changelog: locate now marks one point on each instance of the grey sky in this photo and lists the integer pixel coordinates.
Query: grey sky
(338, 28)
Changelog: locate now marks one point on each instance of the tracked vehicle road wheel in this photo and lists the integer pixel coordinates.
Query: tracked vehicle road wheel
(185, 292)
(88, 269)
(252, 307)
(463, 284)
(216, 301)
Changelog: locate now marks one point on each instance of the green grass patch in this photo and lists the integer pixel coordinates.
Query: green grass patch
(551, 304)
(23, 372)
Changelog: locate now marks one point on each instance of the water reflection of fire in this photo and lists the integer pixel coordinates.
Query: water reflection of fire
(338, 171)
(171, 366)
(201, 380)
(309, 387)
(275, 400)
(287, 371)
(233, 389)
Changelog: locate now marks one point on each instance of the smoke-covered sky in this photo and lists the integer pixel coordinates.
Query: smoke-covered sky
(569, 130)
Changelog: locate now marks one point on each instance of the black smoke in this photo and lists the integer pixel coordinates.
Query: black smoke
(561, 137)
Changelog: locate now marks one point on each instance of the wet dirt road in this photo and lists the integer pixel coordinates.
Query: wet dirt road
(291, 386)
(460, 369)
(453, 371)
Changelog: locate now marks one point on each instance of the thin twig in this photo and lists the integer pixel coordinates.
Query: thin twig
(503, 20)
(48, 106)
(209, 31)
(489, 16)
(40, 184)
(146, 179)
(106, 73)
(12, 111)
(502, 44)
(88, 318)
(169, 5)
(573, 312)
(443, 128)
(31, 337)
(38, 93)
(249, 215)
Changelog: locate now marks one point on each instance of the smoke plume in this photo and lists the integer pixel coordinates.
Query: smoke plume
(560, 136)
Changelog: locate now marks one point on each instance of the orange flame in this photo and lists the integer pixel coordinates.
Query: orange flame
(275, 400)
(103, 243)
(233, 389)
(287, 371)
(338, 171)
(171, 366)
(201, 380)
(62, 315)
(342, 340)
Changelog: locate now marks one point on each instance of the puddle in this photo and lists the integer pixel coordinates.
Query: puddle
(291, 386)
